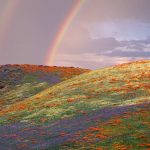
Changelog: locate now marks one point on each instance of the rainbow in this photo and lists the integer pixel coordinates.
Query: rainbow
(6, 17)
(53, 48)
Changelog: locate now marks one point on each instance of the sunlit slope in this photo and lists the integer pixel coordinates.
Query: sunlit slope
(124, 84)
(18, 82)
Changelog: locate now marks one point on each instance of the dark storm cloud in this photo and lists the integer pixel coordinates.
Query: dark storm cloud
(133, 48)
(129, 54)
(136, 44)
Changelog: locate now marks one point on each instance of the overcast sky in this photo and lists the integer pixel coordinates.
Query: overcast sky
(104, 32)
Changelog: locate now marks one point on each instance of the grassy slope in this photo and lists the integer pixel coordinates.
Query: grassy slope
(100, 110)
(120, 85)
(19, 82)
(129, 131)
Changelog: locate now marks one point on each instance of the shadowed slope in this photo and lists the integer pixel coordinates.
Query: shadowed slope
(87, 131)
(18, 82)
(126, 131)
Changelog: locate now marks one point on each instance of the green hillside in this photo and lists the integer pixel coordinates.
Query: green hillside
(120, 85)
(106, 109)
(18, 82)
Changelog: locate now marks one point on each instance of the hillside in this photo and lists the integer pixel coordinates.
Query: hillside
(101, 109)
(18, 82)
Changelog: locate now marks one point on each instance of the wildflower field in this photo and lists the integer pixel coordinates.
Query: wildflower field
(105, 109)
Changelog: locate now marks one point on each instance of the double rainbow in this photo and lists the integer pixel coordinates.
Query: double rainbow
(54, 46)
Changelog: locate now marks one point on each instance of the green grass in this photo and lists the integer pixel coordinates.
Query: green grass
(113, 86)
(132, 132)
(24, 81)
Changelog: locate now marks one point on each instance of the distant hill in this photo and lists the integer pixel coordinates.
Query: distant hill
(18, 82)
(98, 110)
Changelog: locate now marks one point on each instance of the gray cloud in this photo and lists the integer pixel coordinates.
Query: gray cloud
(133, 48)
(104, 10)
(108, 47)
(129, 54)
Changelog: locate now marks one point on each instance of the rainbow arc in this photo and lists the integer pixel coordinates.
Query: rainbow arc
(54, 46)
